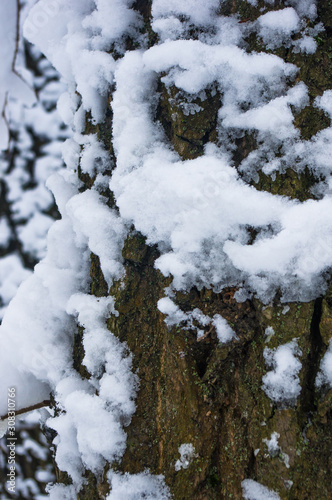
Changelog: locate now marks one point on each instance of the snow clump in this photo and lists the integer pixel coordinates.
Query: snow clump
(187, 452)
(282, 383)
(325, 374)
(252, 490)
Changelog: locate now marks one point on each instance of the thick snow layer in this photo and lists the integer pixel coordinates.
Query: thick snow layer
(199, 13)
(195, 65)
(192, 65)
(276, 27)
(80, 442)
(75, 36)
(285, 20)
(282, 383)
(252, 490)
(39, 335)
(198, 209)
(43, 343)
(33, 234)
(104, 231)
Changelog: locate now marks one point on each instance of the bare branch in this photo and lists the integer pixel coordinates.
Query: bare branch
(37, 406)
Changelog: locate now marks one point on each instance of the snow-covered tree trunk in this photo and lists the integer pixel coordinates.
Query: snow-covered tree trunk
(210, 415)
(181, 318)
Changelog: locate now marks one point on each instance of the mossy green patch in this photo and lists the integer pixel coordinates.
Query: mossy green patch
(189, 123)
(291, 184)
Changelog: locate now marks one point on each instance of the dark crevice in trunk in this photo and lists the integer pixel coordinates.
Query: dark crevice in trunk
(311, 366)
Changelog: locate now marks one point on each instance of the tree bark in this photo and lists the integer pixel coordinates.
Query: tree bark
(203, 392)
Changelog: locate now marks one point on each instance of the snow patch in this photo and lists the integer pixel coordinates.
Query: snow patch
(252, 490)
(282, 383)
(192, 319)
(134, 486)
(272, 444)
(325, 374)
(224, 332)
(269, 332)
(187, 453)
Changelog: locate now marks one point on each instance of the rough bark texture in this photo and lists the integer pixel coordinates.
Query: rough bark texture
(203, 392)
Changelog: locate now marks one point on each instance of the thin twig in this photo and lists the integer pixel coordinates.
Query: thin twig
(203, 337)
(17, 33)
(37, 406)
(17, 41)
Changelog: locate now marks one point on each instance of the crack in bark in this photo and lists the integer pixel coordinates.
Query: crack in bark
(308, 394)
(160, 409)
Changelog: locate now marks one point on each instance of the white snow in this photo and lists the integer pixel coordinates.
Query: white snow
(170, 201)
(104, 231)
(306, 44)
(285, 20)
(276, 27)
(282, 383)
(187, 454)
(61, 492)
(274, 449)
(325, 374)
(173, 313)
(224, 332)
(42, 337)
(33, 233)
(272, 444)
(75, 37)
(199, 13)
(136, 486)
(269, 332)
(252, 490)
(191, 320)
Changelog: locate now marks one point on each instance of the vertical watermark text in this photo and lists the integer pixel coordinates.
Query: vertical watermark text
(11, 440)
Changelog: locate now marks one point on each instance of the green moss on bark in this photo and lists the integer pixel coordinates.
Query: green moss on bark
(189, 124)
